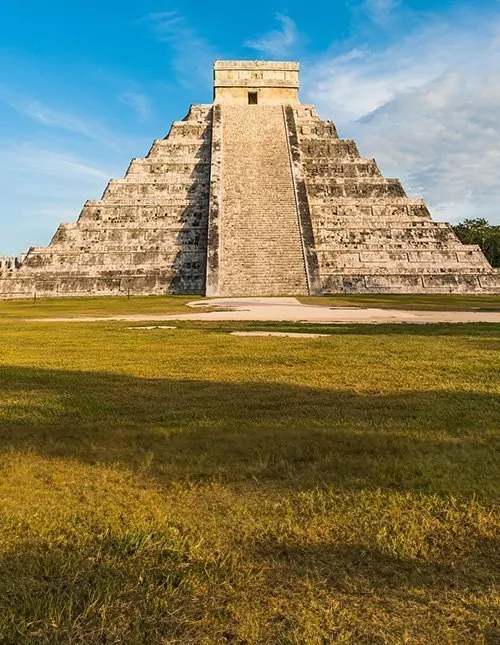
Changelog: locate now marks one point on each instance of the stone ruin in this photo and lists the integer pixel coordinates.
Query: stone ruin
(252, 195)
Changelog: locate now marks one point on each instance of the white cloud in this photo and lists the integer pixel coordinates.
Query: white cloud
(54, 118)
(193, 56)
(426, 106)
(41, 188)
(365, 77)
(138, 102)
(26, 157)
(278, 42)
(444, 134)
(381, 11)
(168, 23)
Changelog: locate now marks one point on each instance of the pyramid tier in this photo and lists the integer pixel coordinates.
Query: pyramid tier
(251, 200)
(369, 236)
(146, 235)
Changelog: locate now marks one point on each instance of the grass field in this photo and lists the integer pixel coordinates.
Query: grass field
(188, 486)
(419, 302)
(56, 307)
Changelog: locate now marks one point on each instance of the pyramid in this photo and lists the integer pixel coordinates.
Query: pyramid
(252, 195)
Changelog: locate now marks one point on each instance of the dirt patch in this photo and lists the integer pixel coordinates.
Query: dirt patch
(282, 334)
(153, 327)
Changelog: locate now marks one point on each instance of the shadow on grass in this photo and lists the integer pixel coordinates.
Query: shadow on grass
(139, 587)
(345, 568)
(94, 584)
(211, 431)
(108, 589)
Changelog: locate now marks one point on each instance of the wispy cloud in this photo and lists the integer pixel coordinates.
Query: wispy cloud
(56, 118)
(193, 56)
(381, 11)
(138, 102)
(44, 187)
(26, 157)
(278, 42)
(426, 106)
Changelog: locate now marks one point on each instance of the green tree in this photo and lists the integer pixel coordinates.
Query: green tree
(480, 231)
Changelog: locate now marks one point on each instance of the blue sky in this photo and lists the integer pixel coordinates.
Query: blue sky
(86, 86)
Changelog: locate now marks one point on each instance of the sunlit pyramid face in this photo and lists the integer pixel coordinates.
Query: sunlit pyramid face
(251, 195)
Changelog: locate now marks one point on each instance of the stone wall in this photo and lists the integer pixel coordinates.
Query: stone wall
(274, 83)
(8, 264)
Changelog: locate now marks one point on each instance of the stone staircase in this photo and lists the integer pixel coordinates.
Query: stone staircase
(260, 249)
(251, 200)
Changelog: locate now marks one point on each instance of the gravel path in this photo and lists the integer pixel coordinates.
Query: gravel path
(291, 310)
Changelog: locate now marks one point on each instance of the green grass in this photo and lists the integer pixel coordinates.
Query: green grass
(95, 306)
(188, 486)
(164, 305)
(425, 303)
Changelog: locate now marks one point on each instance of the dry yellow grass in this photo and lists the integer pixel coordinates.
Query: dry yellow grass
(188, 486)
(419, 302)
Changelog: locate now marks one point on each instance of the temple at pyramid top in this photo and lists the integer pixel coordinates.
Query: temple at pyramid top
(256, 82)
(251, 195)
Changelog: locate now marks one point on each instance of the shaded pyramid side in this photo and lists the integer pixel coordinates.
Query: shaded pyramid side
(369, 237)
(147, 234)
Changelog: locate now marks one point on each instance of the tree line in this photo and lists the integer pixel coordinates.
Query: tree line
(480, 231)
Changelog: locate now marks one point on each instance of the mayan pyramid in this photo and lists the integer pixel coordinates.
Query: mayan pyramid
(251, 195)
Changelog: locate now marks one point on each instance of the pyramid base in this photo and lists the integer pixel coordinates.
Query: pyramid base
(88, 286)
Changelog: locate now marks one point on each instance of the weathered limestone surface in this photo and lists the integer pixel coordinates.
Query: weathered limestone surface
(260, 248)
(252, 195)
(274, 83)
(369, 236)
(147, 235)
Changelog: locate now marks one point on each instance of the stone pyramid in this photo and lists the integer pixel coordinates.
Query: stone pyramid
(251, 195)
